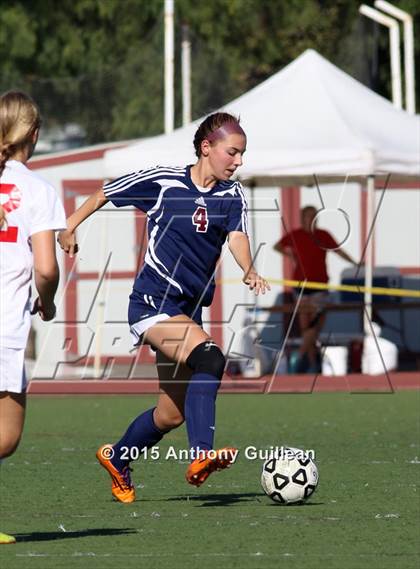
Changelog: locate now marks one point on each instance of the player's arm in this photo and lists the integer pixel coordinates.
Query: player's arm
(67, 238)
(240, 249)
(2, 217)
(332, 244)
(46, 273)
(341, 253)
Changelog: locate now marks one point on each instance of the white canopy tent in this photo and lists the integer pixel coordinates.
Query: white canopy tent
(308, 119)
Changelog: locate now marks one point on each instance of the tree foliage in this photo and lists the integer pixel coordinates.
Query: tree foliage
(99, 63)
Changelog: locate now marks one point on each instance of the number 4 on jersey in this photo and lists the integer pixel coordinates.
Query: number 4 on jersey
(200, 219)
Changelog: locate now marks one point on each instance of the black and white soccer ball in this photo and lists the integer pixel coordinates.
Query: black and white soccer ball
(289, 476)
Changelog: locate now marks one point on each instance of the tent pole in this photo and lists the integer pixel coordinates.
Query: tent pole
(370, 210)
(100, 307)
(253, 224)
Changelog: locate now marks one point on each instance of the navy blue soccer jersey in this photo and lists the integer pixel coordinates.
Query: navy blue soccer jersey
(187, 226)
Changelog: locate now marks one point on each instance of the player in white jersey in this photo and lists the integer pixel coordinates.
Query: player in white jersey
(191, 212)
(30, 212)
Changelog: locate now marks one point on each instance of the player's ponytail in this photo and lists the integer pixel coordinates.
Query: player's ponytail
(212, 124)
(5, 154)
(19, 119)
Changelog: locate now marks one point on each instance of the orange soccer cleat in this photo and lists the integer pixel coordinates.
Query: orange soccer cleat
(210, 461)
(6, 539)
(122, 487)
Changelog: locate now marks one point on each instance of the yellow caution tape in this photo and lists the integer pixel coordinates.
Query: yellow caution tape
(345, 288)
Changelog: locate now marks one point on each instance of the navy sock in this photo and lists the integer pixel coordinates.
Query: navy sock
(200, 410)
(141, 433)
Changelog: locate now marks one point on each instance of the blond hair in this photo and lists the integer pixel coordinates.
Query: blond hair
(19, 119)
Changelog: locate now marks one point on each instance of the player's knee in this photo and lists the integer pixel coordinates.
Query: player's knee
(8, 445)
(174, 420)
(167, 420)
(207, 358)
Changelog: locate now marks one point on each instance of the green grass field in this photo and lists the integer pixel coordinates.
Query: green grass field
(365, 512)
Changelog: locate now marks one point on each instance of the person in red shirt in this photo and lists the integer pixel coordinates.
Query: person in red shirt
(308, 246)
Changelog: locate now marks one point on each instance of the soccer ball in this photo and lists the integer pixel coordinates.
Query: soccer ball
(289, 475)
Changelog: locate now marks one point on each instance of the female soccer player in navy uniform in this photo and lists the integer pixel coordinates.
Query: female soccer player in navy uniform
(191, 211)
(30, 214)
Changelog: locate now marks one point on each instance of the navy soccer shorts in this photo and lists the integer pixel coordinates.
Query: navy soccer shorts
(147, 308)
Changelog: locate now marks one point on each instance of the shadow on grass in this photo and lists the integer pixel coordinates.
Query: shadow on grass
(211, 500)
(219, 499)
(296, 504)
(53, 535)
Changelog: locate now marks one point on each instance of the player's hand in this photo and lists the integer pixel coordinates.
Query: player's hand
(46, 313)
(67, 241)
(256, 282)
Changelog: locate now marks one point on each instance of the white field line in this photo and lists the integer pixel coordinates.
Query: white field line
(212, 554)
